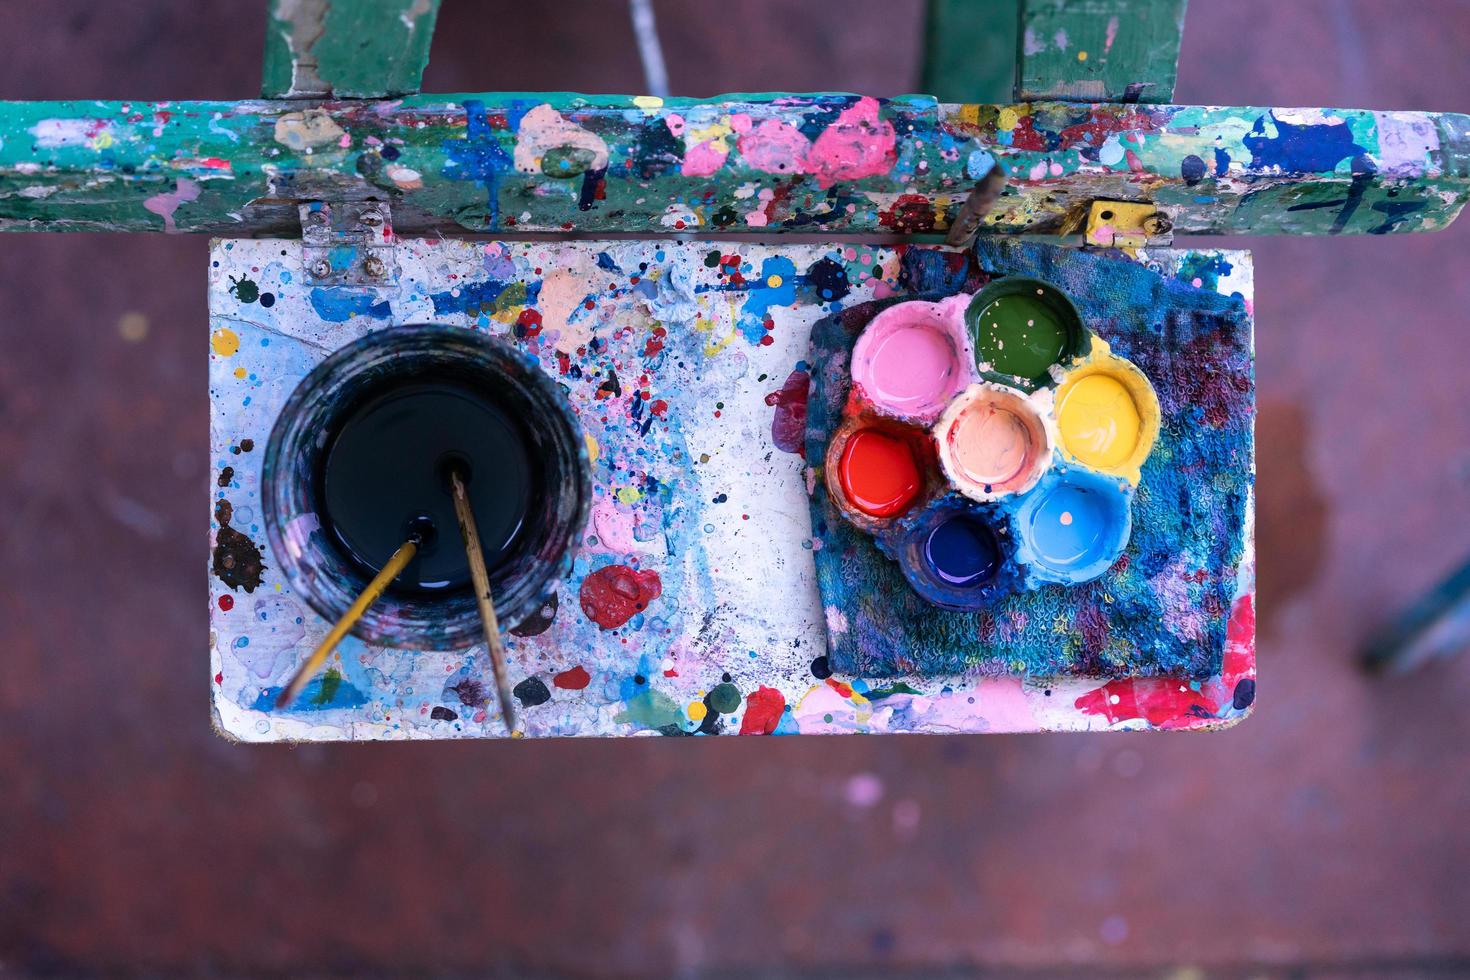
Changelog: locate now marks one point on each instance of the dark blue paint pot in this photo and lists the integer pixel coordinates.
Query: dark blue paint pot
(359, 457)
(1073, 526)
(956, 553)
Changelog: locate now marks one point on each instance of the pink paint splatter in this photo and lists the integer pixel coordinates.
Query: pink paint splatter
(703, 159)
(863, 790)
(788, 426)
(164, 205)
(770, 146)
(858, 144)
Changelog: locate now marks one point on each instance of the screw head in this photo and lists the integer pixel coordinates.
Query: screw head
(1158, 223)
(374, 267)
(317, 217)
(372, 218)
(320, 269)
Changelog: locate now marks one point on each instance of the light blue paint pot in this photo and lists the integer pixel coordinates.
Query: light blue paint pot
(1073, 526)
(956, 553)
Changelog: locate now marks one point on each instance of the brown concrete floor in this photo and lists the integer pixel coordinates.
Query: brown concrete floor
(1327, 835)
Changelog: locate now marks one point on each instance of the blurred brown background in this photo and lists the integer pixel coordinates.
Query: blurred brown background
(1328, 835)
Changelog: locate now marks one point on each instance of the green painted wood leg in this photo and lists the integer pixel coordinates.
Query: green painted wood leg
(1099, 50)
(346, 49)
(970, 49)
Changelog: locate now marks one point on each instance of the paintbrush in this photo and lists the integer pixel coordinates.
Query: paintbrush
(483, 599)
(349, 619)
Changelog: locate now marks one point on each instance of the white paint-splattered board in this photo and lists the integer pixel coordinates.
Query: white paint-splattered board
(685, 363)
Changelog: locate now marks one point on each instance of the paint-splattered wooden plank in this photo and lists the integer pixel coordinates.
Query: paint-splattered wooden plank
(1099, 50)
(347, 49)
(970, 50)
(828, 163)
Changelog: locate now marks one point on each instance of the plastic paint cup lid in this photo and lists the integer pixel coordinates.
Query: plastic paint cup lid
(1021, 328)
(1107, 415)
(1073, 527)
(992, 442)
(911, 359)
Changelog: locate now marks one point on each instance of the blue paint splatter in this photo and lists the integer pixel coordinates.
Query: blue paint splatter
(340, 304)
(479, 157)
(1304, 149)
(477, 295)
(338, 694)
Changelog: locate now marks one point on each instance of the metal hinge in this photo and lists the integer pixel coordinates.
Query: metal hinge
(1127, 225)
(348, 243)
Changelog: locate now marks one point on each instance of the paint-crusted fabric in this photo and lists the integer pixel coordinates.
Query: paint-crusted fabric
(1162, 609)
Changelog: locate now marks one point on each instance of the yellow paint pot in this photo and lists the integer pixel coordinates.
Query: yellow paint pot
(1107, 414)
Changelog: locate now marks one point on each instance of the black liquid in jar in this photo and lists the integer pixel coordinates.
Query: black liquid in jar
(386, 476)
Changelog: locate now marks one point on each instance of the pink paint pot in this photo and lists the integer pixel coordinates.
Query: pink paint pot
(912, 359)
(992, 442)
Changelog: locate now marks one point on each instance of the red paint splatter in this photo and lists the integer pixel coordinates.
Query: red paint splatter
(1164, 702)
(788, 427)
(841, 688)
(1240, 641)
(763, 708)
(614, 594)
(656, 342)
(573, 680)
(1101, 124)
(911, 214)
(659, 408)
(227, 602)
(219, 678)
(528, 324)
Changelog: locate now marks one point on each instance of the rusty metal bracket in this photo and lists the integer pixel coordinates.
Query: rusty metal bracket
(348, 243)
(1128, 225)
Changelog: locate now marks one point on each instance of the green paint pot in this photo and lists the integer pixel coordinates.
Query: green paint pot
(1020, 328)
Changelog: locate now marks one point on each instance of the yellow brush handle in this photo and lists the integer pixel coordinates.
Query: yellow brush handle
(349, 619)
(481, 579)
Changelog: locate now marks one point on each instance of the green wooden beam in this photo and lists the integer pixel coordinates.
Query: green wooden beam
(346, 49)
(826, 163)
(970, 50)
(1099, 50)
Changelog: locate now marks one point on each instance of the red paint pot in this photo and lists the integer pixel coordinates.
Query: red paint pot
(876, 470)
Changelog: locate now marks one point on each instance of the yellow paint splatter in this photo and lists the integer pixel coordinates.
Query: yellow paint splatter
(773, 281)
(224, 342)
(593, 449)
(1008, 119)
(1081, 55)
(716, 341)
(697, 710)
(306, 130)
(240, 373)
(629, 495)
(648, 103)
